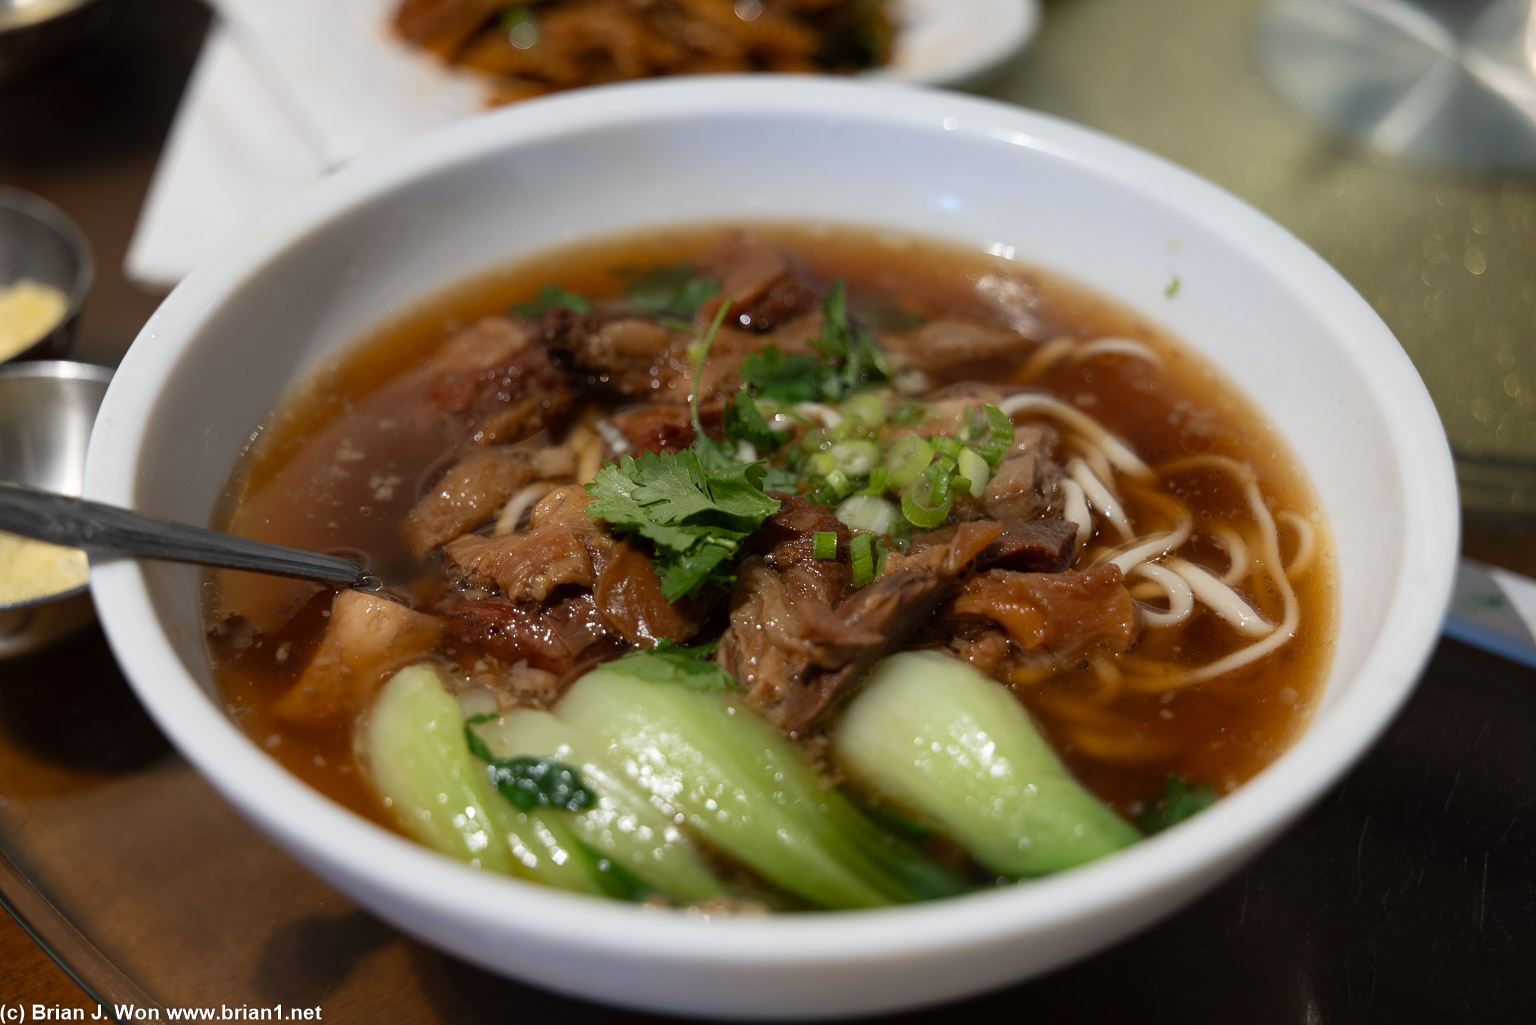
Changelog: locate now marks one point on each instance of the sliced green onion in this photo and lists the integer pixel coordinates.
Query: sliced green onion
(973, 467)
(822, 463)
(926, 501)
(908, 457)
(877, 481)
(862, 552)
(855, 458)
(824, 544)
(945, 445)
(1000, 435)
(867, 513)
(838, 481)
(867, 411)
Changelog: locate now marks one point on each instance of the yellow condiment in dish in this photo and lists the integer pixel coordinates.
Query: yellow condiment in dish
(28, 311)
(36, 569)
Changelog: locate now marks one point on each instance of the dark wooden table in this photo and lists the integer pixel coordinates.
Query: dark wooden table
(1407, 895)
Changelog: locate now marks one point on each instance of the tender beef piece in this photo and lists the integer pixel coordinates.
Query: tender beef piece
(796, 652)
(787, 540)
(950, 349)
(1022, 485)
(524, 567)
(469, 494)
(367, 638)
(629, 596)
(1064, 615)
(560, 638)
(764, 288)
(661, 427)
(1031, 546)
(561, 546)
(493, 382)
(563, 551)
(1039, 546)
(632, 355)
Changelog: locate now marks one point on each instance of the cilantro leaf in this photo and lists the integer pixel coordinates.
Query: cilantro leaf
(1179, 801)
(688, 667)
(674, 291)
(743, 421)
(852, 358)
(789, 379)
(695, 518)
(530, 783)
(553, 297)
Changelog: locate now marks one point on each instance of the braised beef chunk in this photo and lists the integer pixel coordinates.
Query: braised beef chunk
(524, 567)
(632, 355)
(494, 383)
(662, 427)
(1032, 546)
(629, 596)
(764, 288)
(1063, 615)
(469, 494)
(366, 638)
(561, 546)
(799, 640)
(958, 350)
(1025, 479)
(560, 638)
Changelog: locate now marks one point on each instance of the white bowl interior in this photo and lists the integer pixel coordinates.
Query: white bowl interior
(389, 232)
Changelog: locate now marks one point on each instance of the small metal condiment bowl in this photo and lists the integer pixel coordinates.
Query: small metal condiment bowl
(47, 409)
(38, 241)
(34, 33)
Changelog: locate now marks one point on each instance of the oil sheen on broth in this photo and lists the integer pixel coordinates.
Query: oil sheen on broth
(330, 472)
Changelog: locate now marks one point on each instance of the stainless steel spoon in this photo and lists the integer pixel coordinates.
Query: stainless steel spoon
(108, 530)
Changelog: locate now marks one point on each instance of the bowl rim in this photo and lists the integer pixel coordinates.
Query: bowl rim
(1232, 829)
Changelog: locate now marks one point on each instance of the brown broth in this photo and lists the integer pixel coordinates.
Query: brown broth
(1122, 745)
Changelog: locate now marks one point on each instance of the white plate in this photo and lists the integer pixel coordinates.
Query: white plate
(355, 87)
(289, 88)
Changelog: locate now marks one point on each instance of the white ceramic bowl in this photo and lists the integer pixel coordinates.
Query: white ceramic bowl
(388, 231)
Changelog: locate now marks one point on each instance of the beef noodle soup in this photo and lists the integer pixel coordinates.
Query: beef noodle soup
(775, 567)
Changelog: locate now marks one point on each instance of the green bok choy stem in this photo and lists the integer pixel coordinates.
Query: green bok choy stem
(938, 738)
(421, 766)
(744, 789)
(623, 824)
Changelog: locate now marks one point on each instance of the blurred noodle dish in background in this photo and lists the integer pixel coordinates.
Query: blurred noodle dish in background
(541, 47)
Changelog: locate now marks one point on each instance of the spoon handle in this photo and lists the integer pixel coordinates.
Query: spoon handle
(108, 530)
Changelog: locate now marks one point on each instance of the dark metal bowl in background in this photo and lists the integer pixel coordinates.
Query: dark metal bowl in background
(34, 33)
(38, 241)
(47, 409)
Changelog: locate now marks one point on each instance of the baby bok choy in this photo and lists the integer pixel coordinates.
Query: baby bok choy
(419, 760)
(937, 738)
(623, 823)
(671, 722)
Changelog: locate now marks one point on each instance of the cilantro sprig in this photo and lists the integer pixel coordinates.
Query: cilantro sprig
(694, 506)
(695, 518)
(553, 297)
(846, 360)
(1178, 801)
(672, 292)
(530, 783)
